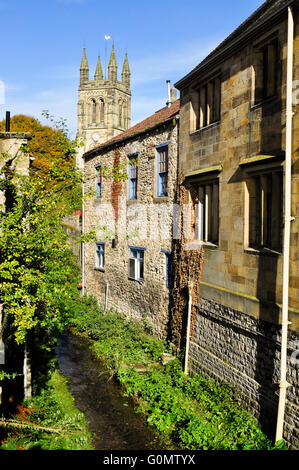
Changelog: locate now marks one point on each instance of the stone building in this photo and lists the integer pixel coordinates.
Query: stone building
(134, 178)
(231, 172)
(104, 103)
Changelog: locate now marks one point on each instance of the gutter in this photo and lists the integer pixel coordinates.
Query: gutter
(283, 384)
(231, 47)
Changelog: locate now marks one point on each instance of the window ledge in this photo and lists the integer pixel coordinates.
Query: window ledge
(262, 251)
(265, 101)
(140, 281)
(161, 199)
(213, 124)
(197, 245)
(102, 270)
(132, 201)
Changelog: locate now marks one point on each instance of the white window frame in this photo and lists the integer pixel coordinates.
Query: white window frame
(136, 259)
(159, 173)
(100, 255)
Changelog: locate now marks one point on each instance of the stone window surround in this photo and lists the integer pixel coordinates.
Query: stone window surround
(213, 97)
(197, 179)
(260, 45)
(265, 165)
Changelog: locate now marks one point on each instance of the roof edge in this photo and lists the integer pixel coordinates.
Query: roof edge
(107, 145)
(227, 46)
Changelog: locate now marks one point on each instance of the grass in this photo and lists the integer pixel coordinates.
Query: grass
(49, 421)
(191, 412)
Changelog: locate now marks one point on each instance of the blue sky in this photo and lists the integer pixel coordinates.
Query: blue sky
(42, 43)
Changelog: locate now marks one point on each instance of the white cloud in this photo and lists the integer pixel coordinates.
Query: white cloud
(167, 65)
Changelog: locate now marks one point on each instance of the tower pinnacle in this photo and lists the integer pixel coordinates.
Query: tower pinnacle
(84, 68)
(126, 74)
(112, 67)
(99, 72)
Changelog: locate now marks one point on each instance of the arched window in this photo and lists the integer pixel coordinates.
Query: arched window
(124, 114)
(93, 111)
(120, 112)
(102, 111)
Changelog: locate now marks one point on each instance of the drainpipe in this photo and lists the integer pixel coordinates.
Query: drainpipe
(82, 232)
(283, 384)
(106, 297)
(190, 290)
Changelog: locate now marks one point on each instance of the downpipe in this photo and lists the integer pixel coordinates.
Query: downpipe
(283, 384)
(82, 233)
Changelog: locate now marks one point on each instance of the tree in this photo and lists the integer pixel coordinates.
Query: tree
(38, 271)
(50, 146)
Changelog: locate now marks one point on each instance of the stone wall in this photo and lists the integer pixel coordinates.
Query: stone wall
(231, 346)
(120, 223)
(72, 226)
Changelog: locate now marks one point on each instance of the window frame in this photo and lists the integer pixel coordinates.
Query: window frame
(262, 66)
(162, 174)
(263, 227)
(207, 211)
(99, 180)
(133, 180)
(208, 102)
(100, 256)
(138, 263)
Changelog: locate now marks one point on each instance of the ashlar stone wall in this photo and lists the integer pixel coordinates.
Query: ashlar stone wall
(237, 320)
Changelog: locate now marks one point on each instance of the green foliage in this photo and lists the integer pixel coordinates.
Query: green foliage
(38, 272)
(50, 145)
(53, 409)
(117, 340)
(193, 412)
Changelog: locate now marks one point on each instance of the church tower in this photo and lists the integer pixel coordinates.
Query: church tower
(104, 105)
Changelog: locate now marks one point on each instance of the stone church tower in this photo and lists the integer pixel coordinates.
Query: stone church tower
(104, 106)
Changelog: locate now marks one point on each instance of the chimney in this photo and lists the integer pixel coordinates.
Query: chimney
(168, 102)
(173, 95)
(7, 122)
